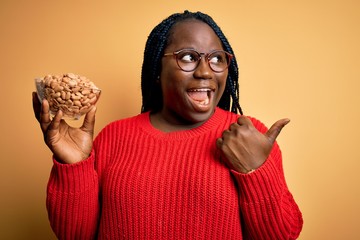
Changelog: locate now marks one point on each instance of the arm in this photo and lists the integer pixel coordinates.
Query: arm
(268, 208)
(73, 189)
(73, 200)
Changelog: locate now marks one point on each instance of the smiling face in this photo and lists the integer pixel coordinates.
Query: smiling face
(190, 98)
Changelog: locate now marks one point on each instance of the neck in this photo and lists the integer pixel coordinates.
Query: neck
(171, 125)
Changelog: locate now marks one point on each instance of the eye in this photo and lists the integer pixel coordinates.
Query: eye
(188, 56)
(217, 58)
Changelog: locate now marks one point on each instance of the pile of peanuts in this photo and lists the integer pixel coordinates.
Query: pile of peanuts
(71, 93)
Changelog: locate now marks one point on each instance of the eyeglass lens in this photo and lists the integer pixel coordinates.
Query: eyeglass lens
(188, 60)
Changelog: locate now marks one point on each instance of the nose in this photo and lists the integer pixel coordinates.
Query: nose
(203, 70)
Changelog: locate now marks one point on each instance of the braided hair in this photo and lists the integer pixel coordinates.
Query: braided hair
(156, 43)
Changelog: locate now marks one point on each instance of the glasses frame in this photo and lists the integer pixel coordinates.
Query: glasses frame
(201, 55)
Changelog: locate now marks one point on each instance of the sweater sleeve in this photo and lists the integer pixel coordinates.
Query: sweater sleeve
(268, 208)
(73, 199)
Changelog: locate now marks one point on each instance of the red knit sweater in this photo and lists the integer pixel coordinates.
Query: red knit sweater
(141, 183)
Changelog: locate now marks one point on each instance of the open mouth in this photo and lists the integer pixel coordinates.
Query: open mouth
(200, 96)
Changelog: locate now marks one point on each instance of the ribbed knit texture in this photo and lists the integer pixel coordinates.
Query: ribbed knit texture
(141, 183)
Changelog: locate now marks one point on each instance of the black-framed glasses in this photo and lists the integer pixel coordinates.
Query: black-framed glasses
(189, 59)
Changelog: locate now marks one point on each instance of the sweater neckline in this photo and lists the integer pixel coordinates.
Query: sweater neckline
(146, 125)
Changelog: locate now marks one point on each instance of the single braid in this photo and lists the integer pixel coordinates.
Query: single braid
(156, 43)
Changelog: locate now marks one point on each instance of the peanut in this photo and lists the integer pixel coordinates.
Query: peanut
(71, 93)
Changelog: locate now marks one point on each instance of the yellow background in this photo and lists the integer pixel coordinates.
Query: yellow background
(297, 59)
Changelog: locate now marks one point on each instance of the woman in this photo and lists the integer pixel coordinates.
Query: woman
(186, 167)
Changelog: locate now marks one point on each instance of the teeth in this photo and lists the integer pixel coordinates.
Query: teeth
(200, 90)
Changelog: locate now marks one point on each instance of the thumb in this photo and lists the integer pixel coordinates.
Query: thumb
(275, 129)
(89, 120)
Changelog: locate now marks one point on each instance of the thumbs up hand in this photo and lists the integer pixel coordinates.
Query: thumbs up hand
(244, 148)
